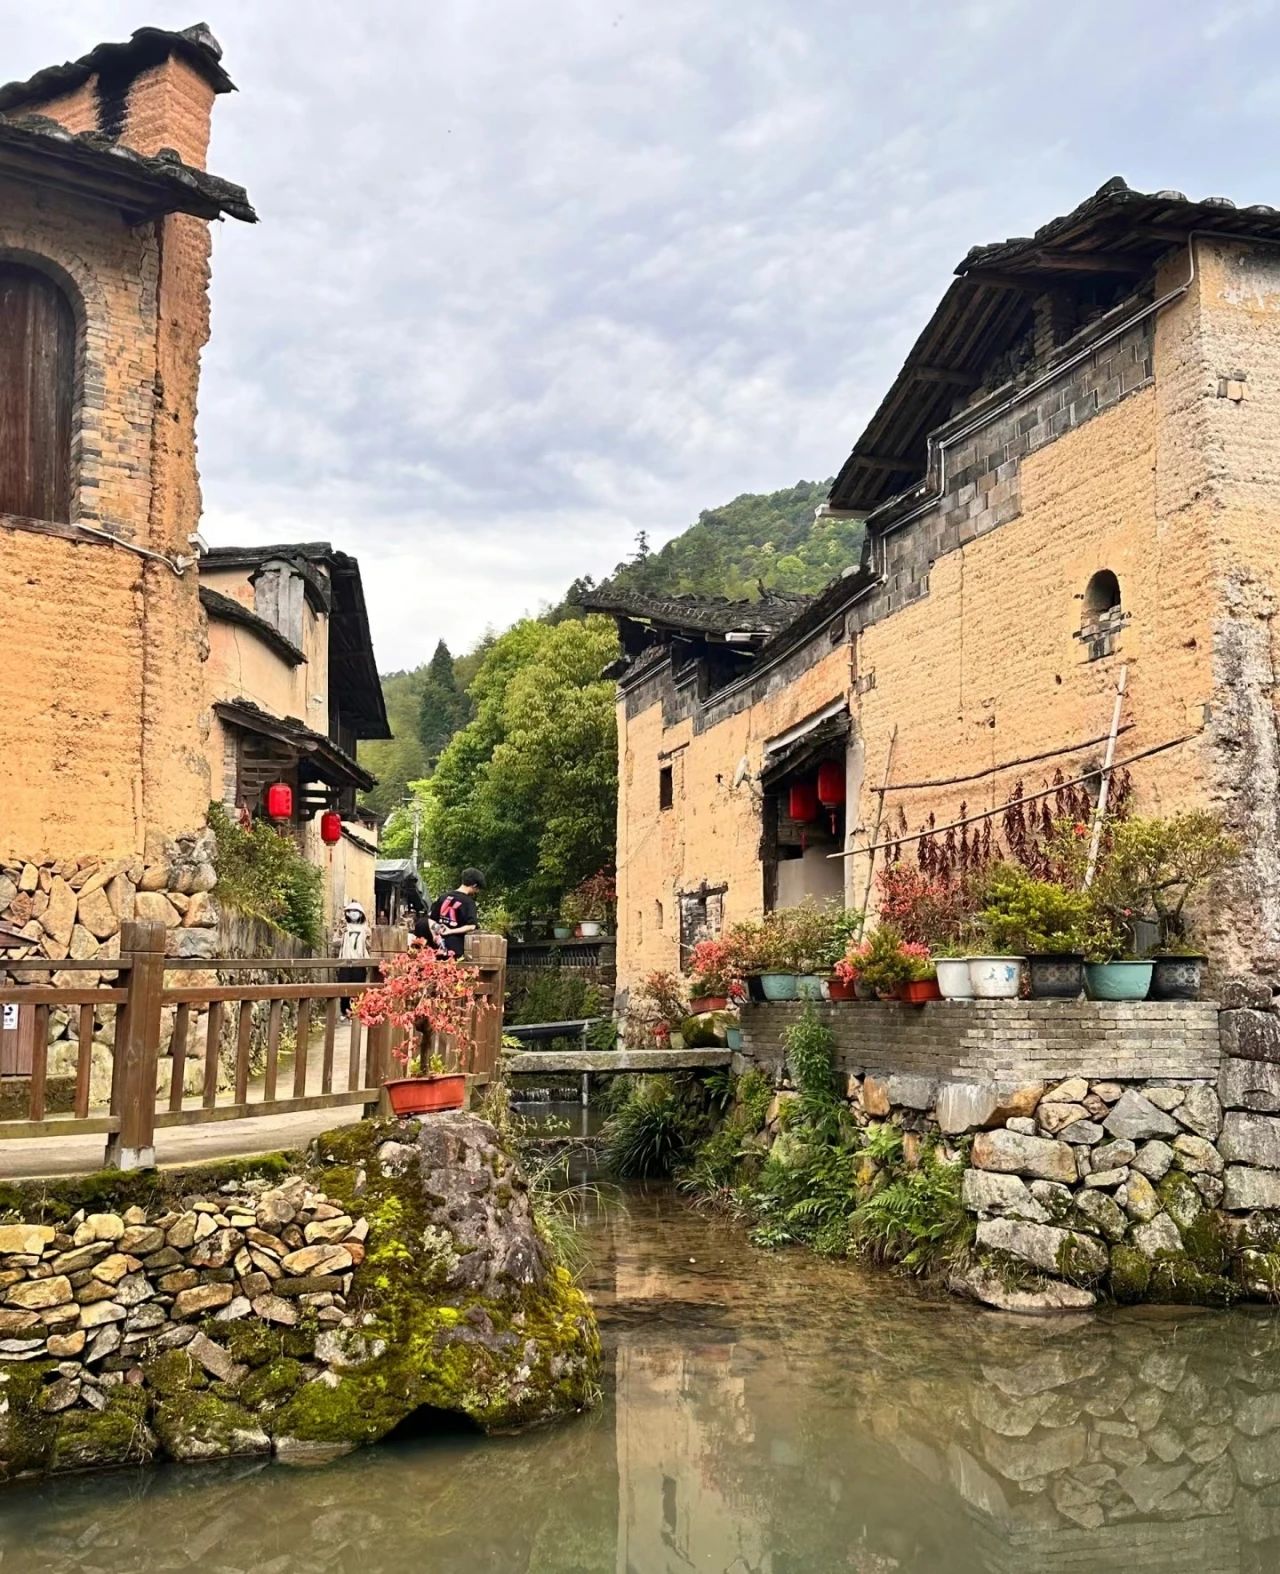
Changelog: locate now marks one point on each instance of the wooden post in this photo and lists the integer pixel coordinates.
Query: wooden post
(384, 940)
(489, 952)
(133, 1093)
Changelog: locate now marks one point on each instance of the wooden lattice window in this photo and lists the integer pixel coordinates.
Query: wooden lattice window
(37, 395)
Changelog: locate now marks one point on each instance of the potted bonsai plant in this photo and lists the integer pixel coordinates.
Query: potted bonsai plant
(774, 956)
(1043, 921)
(888, 964)
(424, 994)
(590, 902)
(714, 980)
(1151, 869)
(846, 930)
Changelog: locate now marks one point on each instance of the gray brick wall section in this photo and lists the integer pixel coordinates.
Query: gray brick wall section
(978, 1041)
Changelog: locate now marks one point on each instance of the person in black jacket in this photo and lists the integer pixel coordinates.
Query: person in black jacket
(455, 914)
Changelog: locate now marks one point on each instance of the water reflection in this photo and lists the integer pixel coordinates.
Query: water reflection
(768, 1414)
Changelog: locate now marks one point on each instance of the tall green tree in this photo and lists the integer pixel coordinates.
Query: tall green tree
(443, 706)
(527, 789)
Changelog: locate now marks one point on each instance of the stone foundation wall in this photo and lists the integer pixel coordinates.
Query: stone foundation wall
(949, 1040)
(1146, 1166)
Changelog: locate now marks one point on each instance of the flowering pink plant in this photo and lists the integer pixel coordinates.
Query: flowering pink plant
(422, 990)
(713, 967)
(885, 961)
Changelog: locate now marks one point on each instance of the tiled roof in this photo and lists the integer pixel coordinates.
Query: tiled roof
(147, 46)
(232, 611)
(1116, 235)
(288, 729)
(91, 164)
(699, 614)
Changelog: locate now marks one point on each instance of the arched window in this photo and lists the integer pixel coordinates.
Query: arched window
(1102, 617)
(1101, 595)
(37, 382)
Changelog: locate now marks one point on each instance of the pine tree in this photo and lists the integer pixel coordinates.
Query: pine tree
(443, 709)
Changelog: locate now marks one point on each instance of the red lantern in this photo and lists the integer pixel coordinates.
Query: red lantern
(279, 801)
(330, 827)
(830, 784)
(802, 802)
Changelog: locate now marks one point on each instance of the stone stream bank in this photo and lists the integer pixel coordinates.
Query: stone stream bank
(192, 1317)
(1131, 1151)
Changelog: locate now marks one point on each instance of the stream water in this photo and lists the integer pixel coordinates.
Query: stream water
(764, 1414)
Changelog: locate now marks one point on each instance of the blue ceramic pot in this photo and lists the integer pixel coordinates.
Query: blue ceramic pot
(733, 1037)
(1118, 980)
(779, 986)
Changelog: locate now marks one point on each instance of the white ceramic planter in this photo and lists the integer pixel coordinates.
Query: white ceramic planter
(589, 928)
(953, 977)
(995, 977)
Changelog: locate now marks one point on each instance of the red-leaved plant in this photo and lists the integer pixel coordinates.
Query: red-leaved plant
(423, 992)
(714, 969)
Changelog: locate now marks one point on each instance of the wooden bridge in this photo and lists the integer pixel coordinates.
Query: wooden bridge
(612, 1060)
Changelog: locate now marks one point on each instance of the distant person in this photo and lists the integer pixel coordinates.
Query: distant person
(352, 939)
(455, 914)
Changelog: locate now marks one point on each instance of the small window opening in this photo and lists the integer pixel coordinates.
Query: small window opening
(1103, 615)
(666, 787)
(657, 915)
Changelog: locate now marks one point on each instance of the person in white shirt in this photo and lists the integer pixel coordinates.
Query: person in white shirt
(352, 940)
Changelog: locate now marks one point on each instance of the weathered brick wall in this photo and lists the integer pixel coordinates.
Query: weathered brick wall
(1007, 1041)
(970, 651)
(112, 754)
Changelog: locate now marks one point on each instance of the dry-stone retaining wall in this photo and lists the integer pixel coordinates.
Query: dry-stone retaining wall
(1141, 1173)
(307, 1314)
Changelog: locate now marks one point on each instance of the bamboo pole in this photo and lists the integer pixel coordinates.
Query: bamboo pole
(1100, 811)
(875, 831)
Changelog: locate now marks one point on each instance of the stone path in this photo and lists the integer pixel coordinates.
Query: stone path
(71, 1155)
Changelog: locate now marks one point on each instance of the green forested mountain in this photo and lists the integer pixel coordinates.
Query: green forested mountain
(770, 538)
(767, 538)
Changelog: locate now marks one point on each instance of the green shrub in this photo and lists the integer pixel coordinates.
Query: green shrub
(261, 873)
(650, 1135)
(1024, 916)
(811, 1057)
(917, 1220)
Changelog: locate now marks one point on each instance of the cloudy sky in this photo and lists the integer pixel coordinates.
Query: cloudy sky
(533, 277)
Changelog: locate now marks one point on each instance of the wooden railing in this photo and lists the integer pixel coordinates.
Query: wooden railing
(147, 982)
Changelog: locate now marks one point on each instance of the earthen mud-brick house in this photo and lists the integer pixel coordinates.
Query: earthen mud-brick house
(1077, 469)
(292, 687)
(105, 214)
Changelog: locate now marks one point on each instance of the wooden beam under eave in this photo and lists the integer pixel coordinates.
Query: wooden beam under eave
(883, 462)
(1029, 283)
(945, 374)
(1092, 261)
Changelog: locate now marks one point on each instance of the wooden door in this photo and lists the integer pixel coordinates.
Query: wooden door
(16, 1047)
(37, 375)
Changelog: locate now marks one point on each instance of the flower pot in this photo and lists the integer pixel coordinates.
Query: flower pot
(423, 1095)
(701, 1003)
(1056, 977)
(920, 990)
(589, 929)
(562, 931)
(809, 987)
(838, 991)
(1177, 977)
(995, 977)
(954, 982)
(779, 986)
(733, 1037)
(1118, 980)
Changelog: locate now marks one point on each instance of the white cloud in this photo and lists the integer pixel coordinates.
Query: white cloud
(531, 278)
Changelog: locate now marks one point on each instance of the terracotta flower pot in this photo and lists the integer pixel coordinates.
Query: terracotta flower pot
(919, 991)
(839, 991)
(425, 1095)
(701, 1003)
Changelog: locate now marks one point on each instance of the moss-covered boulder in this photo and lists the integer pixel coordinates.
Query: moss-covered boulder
(308, 1309)
(457, 1305)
